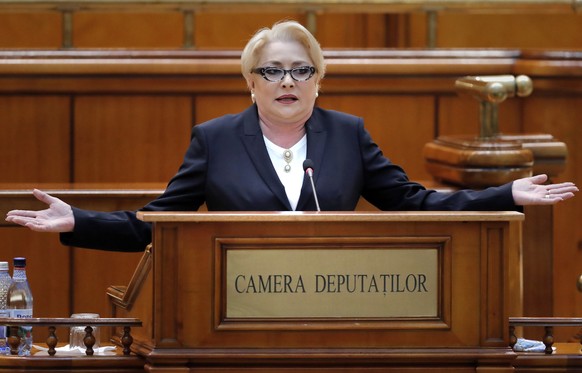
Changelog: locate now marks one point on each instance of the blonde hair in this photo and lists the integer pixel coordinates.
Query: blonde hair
(281, 31)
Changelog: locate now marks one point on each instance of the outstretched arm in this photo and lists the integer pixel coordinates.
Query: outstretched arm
(533, 191)
(58, 217)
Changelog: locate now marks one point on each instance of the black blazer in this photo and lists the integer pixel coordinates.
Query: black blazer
(228, 168)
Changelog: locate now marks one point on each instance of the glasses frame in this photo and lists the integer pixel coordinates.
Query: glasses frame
(261, 71)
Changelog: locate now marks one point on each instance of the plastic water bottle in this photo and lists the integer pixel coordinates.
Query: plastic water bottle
(20, 304)
(5, 282)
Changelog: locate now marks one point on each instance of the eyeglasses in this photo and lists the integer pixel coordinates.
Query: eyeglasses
(276, 74)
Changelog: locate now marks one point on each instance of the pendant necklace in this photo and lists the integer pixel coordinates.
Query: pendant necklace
(287, 157)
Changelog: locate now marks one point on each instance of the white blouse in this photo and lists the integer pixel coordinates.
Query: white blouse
(293, 179)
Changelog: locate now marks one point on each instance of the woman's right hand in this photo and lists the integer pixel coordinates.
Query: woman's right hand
(57, 218)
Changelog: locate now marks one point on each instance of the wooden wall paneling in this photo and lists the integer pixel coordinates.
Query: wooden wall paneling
(399, 124)
(39, 125)
(338, 30)
(30, 30)
(127, 139)
(517, 30)
(130, 138)
(417, 30)
(561, 116)
(397, 30)
(128, 30)
(376, 32)
(212, 30)
(92, 272)
(459, 115)
(537, 264)
(216, 31)
(206, 107)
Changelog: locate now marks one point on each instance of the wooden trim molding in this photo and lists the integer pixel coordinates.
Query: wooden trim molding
(333, 6)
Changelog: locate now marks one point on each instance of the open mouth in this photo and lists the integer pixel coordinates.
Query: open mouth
(287, 99)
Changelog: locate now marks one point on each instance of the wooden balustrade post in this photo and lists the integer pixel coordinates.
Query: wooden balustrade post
(126, 340)
(14, 340)
(549, 339)
(89, 340)
(52, 341)
(512, 336)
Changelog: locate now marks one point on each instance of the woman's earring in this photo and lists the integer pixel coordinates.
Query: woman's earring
(316, 94)
(253, 97)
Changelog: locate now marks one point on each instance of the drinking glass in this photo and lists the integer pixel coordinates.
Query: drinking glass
(77, 333)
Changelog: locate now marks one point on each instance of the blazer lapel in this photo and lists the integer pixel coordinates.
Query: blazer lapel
(252, 139)
(316, 139)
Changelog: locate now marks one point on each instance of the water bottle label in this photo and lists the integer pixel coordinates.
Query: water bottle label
(21, 313)
(4, 313)
(4, 348)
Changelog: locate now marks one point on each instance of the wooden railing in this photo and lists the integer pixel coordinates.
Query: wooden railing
(89, 323)
(548, 323)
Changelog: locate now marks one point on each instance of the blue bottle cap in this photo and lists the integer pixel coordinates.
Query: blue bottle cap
(19, 262)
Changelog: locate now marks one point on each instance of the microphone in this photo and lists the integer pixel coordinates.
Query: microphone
(308, 168)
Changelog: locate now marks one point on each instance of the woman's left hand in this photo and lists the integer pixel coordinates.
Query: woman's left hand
(533, 191)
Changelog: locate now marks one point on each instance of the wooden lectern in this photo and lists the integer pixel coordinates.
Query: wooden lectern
(307, 291)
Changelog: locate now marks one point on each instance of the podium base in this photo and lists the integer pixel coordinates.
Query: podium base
(477, 163)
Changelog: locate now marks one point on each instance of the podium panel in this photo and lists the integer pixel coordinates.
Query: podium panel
(423, 291)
